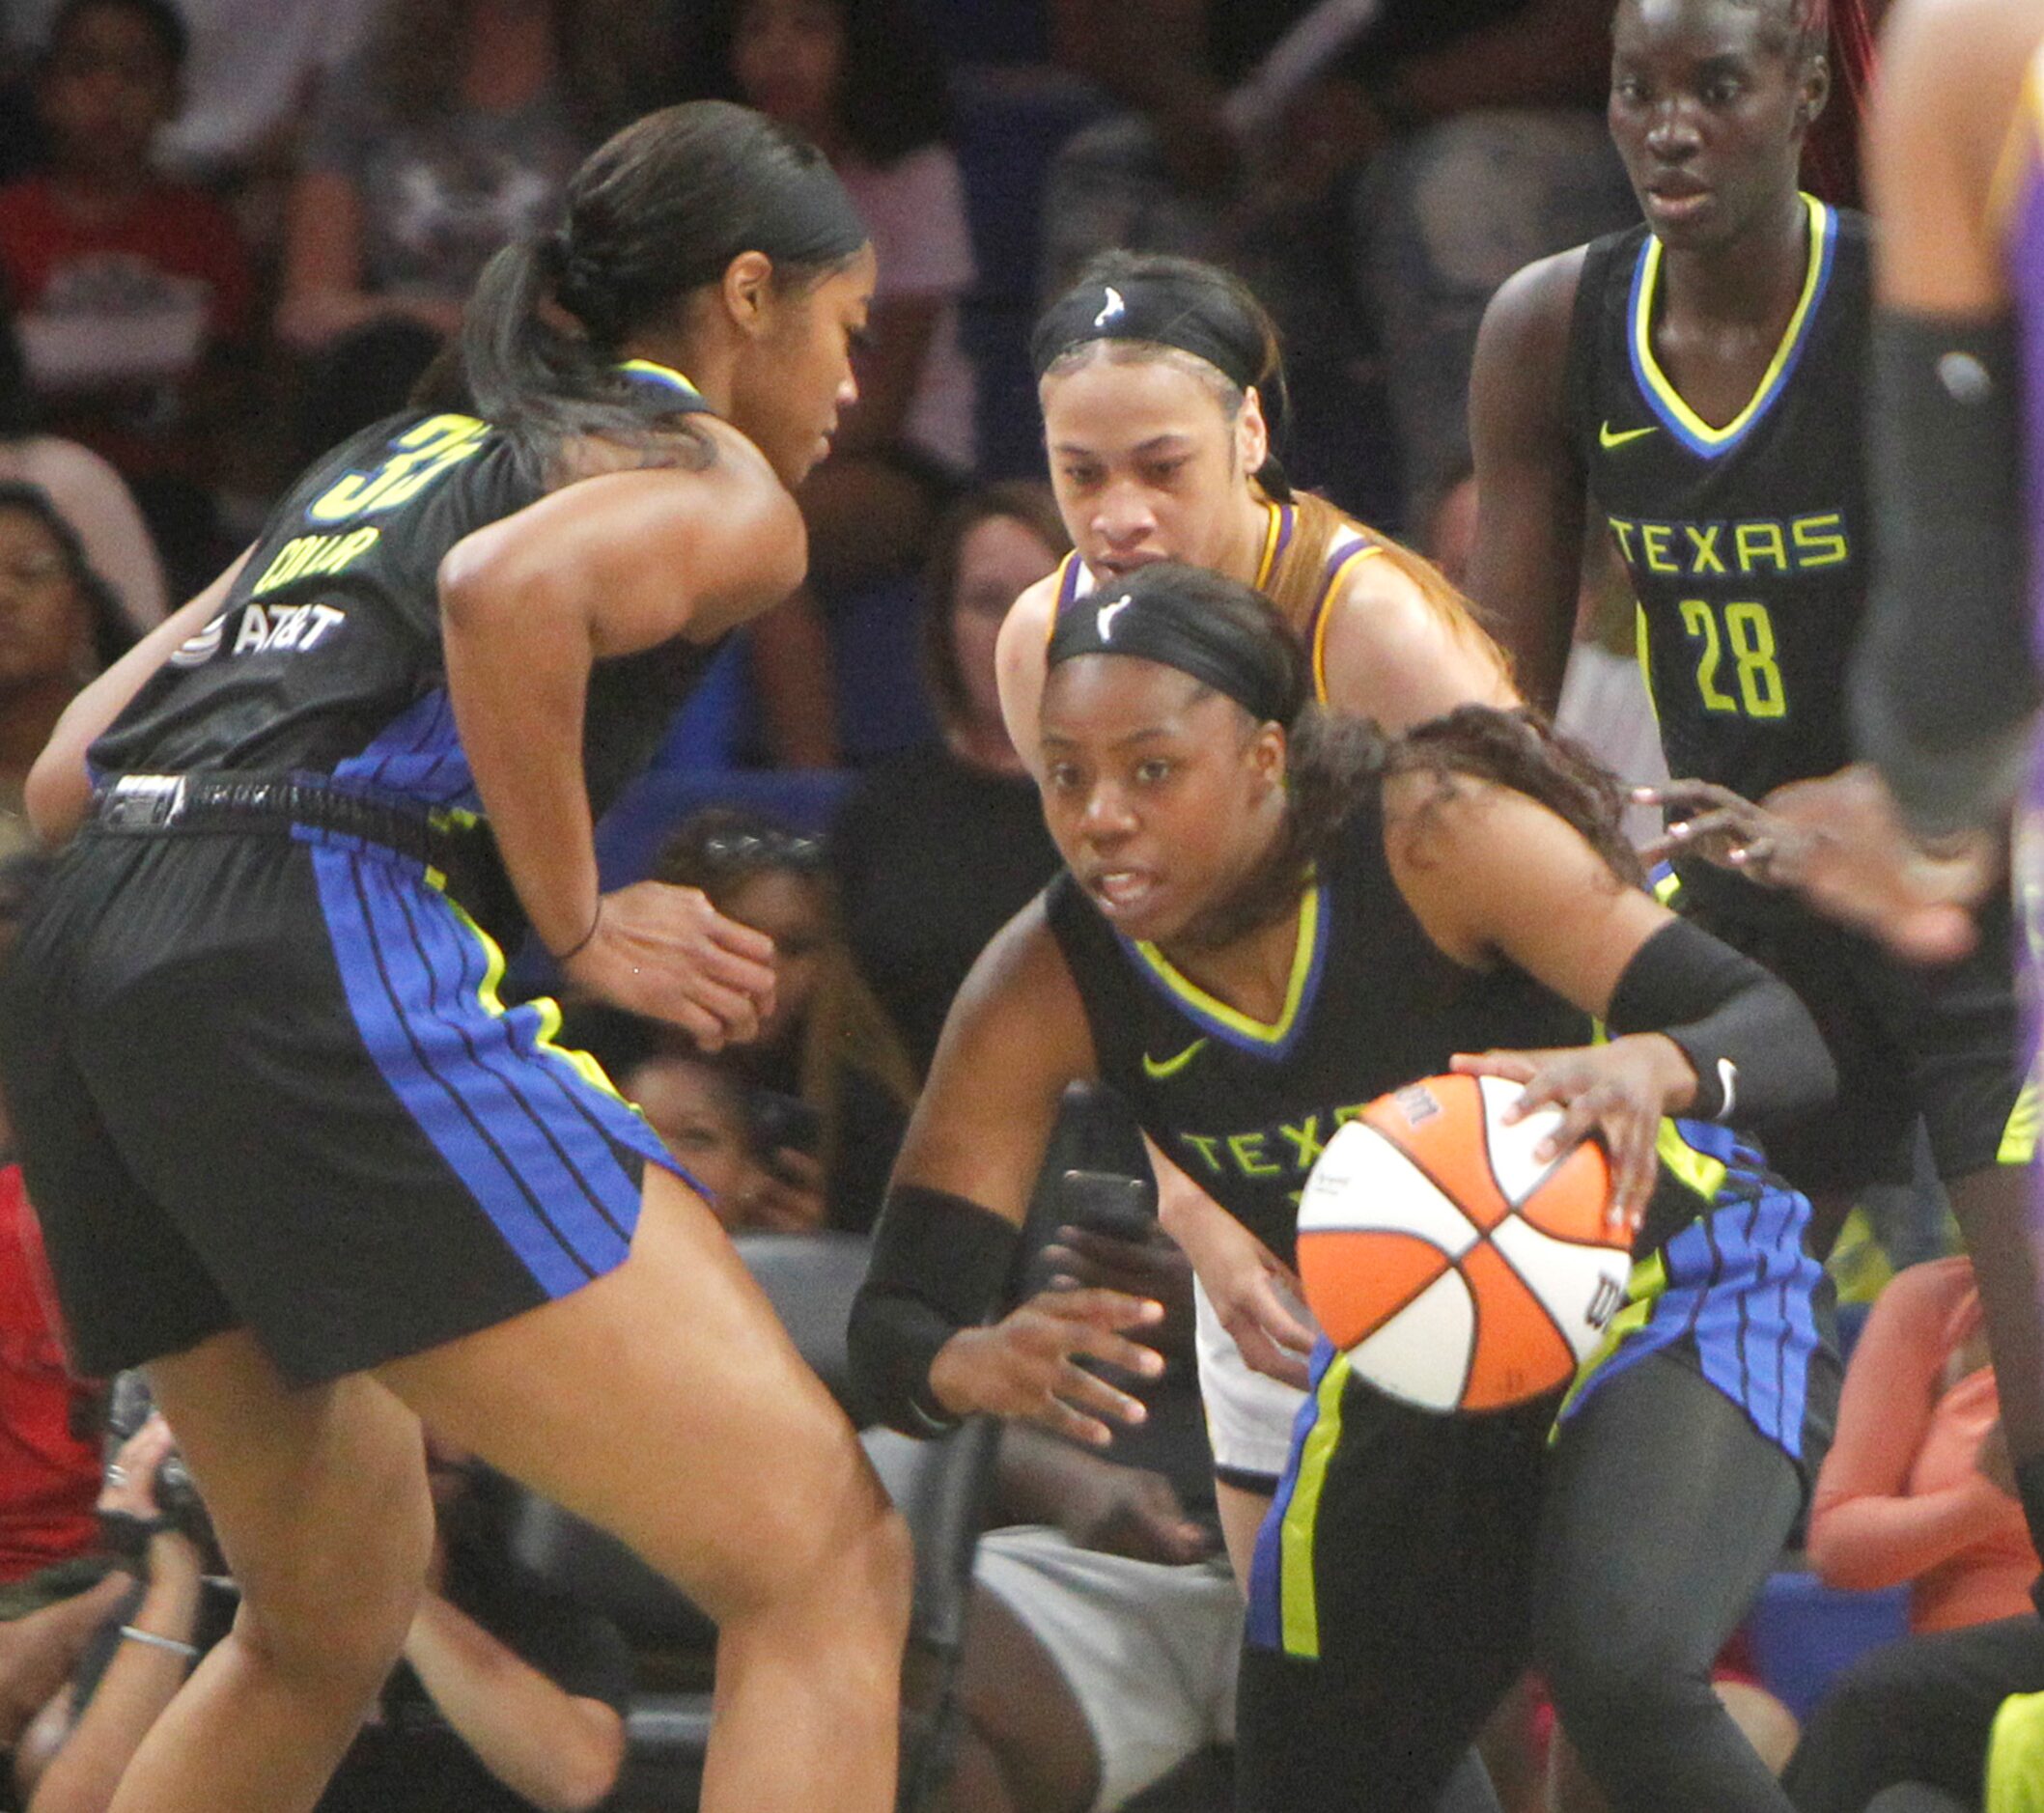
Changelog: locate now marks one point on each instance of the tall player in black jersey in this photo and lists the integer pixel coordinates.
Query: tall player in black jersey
(1701, 378)
(290, 1150)
(1270, 917)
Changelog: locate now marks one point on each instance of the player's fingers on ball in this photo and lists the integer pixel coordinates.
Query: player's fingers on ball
(1513, 1066)
(1275, 1319)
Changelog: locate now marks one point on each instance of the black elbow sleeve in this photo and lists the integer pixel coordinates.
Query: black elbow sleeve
(1757, 1051)
(941, 1263)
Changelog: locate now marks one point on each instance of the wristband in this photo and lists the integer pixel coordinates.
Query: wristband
(1754, 1048)
(177, 1646)
(582, 944)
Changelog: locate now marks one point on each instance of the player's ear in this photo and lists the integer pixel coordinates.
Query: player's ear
(1252, 433)
(1268, 754)
(1813, 90)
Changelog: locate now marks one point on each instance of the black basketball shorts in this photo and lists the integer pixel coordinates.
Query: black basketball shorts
(264, 1080)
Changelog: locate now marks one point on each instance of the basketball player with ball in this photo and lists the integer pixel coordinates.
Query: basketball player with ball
(1272, 917)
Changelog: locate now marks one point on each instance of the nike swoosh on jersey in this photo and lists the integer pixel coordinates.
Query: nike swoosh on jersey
(1157, 1069)
(1608, 440)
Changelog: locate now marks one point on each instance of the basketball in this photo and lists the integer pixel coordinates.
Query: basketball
(1458, 1272)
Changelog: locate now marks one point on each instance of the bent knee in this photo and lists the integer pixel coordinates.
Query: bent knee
(851, 1573)
(1616, 1687)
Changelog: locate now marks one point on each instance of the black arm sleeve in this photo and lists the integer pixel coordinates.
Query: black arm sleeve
(941, 1263)
(1757, 1051)
(1944, 683)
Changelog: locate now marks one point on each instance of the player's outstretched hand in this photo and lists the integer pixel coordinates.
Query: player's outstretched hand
(1721, 827)
(666, 952)
(1865, 869)
(1620, 1092)
(1026, 1365)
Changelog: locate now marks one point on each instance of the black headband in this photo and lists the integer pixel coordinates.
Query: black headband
(1153, 617)
(1161, 311)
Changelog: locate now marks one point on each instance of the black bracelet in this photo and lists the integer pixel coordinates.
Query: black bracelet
(582, 944)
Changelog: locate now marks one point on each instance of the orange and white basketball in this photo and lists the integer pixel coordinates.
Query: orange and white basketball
(1458, 1272)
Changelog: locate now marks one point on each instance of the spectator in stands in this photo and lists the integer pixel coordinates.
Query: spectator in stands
(132, 293)
(59, 626)
(1429, 148)
(450, 132)
(828, 1043)
(1101, 1652)
(745, 1147)
(1918, 1487)
(938, 848)
(54, 1589)
(861, 79)
(506, 1698)
(86, 491)
(254, 70)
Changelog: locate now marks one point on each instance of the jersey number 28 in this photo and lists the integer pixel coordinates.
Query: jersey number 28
(1748, 635)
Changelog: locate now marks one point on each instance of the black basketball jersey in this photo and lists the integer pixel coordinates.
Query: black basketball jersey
(326, 658)
(1748, 545)
(1246, 1108)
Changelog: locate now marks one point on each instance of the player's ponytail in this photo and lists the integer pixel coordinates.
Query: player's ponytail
(652, 216)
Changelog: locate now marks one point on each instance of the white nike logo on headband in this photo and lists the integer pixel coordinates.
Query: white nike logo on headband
(1104, 622)
(1113, 308)
(1729, 1081)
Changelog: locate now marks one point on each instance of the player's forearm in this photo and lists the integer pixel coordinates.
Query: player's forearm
(1944, 684)
(560, 1752)
(517, 672)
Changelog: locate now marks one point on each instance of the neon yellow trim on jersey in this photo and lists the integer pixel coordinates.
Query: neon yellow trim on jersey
(1643, 1285)
(1642, 647)
(1703, 1174)
(1299, 1605)
(548, 1010)
(654, 369)
(1274, 1032)
(1272, 528)
(1822, 225)
(1325, 615)
(2019, 1138)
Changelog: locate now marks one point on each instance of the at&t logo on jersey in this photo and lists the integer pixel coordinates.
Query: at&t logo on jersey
(261, 629)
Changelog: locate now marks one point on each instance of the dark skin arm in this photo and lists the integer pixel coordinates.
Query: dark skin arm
(1016, 1037)
(1492, 874)
(607, 567)
(1527, 566)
